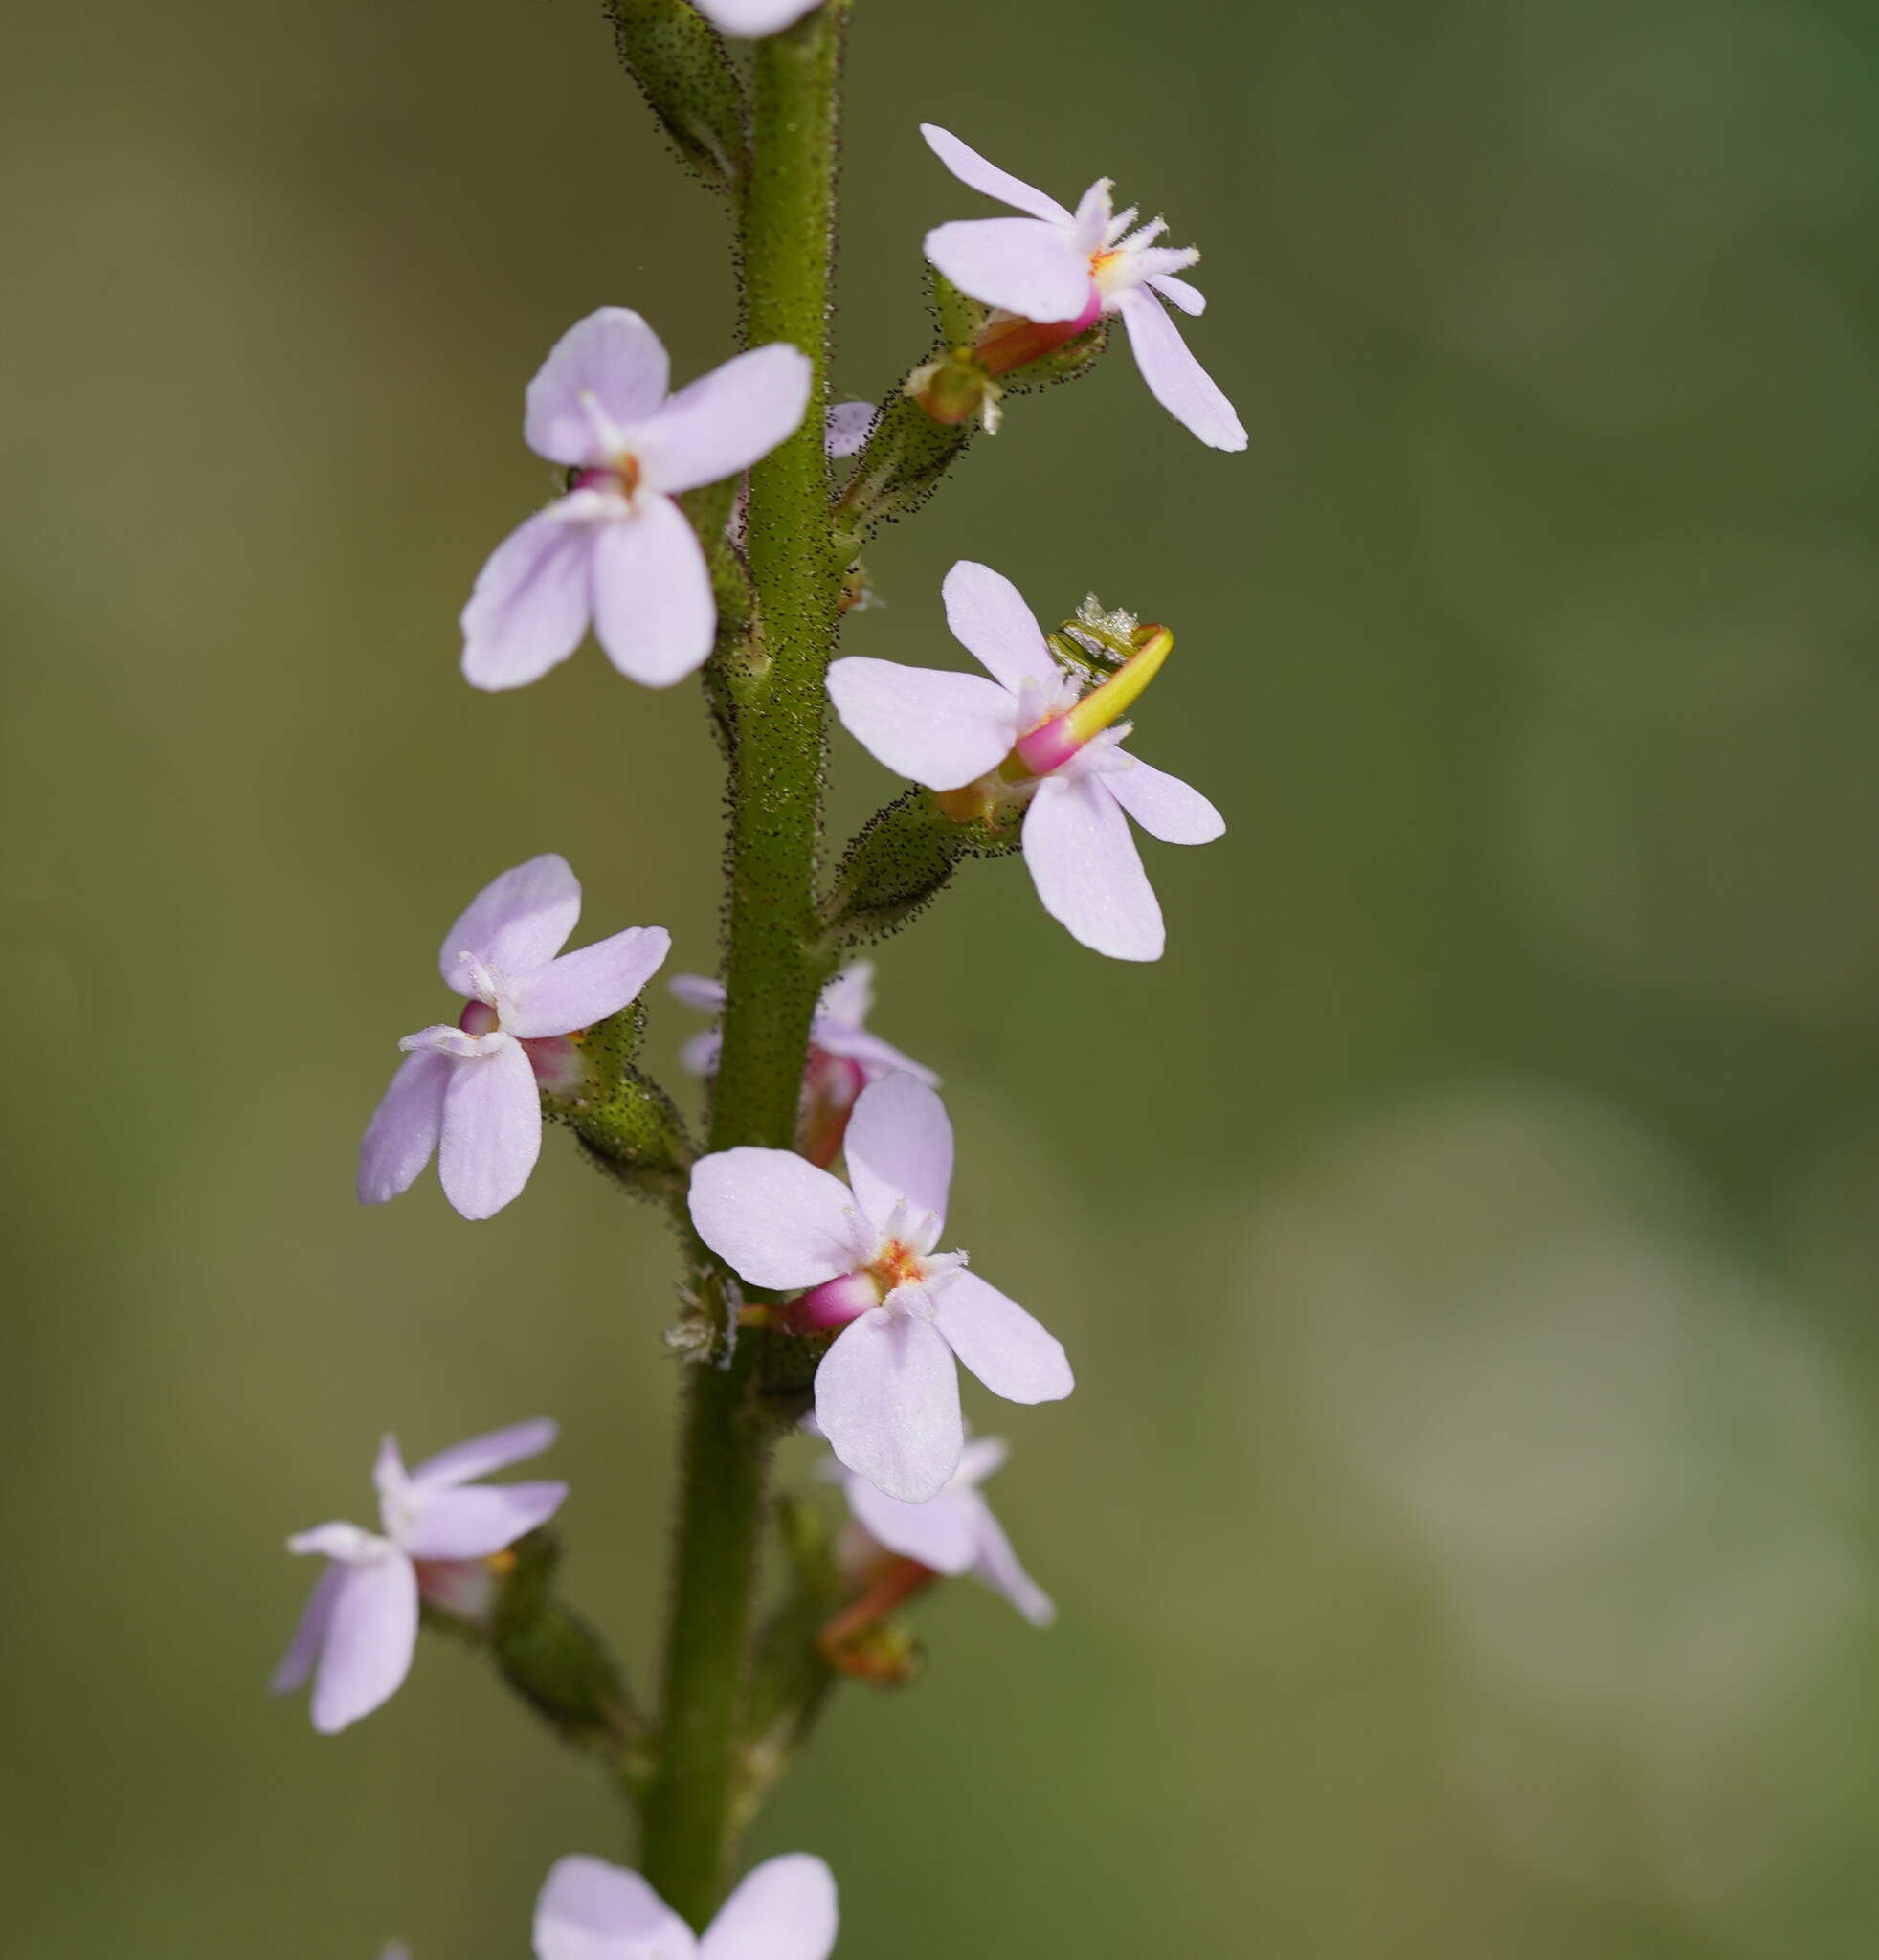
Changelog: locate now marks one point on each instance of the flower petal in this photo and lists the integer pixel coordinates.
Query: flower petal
(987, 615)
(473, 1522)
(775, 1218)
(585, 987)
(1091, 225)
(309, 1635)
(997, 1567)
(348, 1544)
(1006, 1348)
(699, 1056)
(492, 1131)
(849, 999)
(592, 1910)
(529, 607)
(611, 361)
(516, 923)
(942, 729)
(900, 1145)
(726, 419)
(481, 1455)
(751, 19)
(943, 1533)
(1189, 299)
(785, 1910)
(389, 1477)
(1164, 806)
(1087, 871)
(1028, 267)
(983, 1457)
(695, 991)
(372, 1635)
(653, 609)
(402, 1135)
(888, 1399)
(845, 427)
(970, 167)
(1176, 379)
(877, 1057)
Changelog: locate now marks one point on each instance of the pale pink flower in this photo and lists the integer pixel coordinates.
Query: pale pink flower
(750, 20)
(954, 1533)
(845, 427)
(1032, 722)
(359, 1631)
(783, 1910)
(469, 1092)
(887, 1391)
(838, 1029)
(618, 549)
(1054, 264)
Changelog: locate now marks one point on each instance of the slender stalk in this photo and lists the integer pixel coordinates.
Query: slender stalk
(777, 735)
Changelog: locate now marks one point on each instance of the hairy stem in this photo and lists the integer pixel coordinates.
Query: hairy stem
(777, 732)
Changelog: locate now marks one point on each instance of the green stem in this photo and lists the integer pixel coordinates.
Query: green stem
(777, 737)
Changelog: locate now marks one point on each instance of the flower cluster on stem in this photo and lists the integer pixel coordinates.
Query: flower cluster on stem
(709, 531)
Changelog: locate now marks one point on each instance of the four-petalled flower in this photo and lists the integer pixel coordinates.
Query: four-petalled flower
(1057, 751)
(359, 1631)
(954, 1533)
(1054, 264)
(468, 1092)
(783, 1910)
(618, 549)
(887, 1391)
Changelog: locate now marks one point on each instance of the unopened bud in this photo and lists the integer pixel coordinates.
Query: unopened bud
(955, 388)
(628, 1123)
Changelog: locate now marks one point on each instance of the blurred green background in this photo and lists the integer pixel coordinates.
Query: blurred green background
(1466, 1236)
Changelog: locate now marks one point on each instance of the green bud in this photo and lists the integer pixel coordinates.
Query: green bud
(899, 863)
(553, 1660)
(627, 1122)
(685, 74)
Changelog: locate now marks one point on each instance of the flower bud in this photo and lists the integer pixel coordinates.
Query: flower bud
(687, 78)
(629, 1125)
(900, 863)
(954, 389)
(553, 1658)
